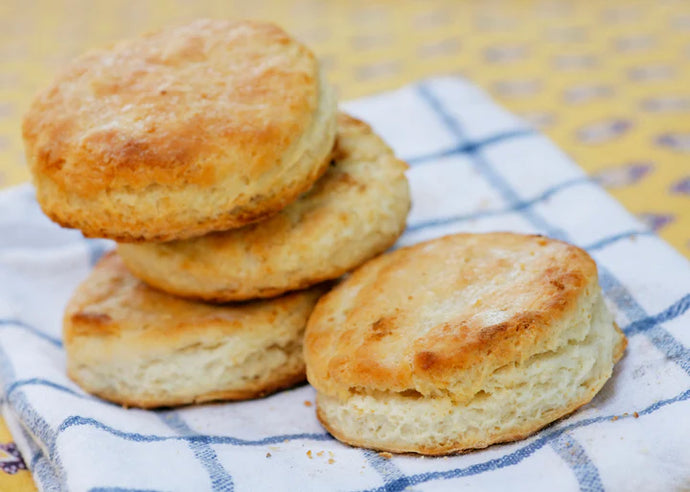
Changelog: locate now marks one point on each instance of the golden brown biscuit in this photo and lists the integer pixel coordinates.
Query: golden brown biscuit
(131, 344)
(459, 343)
(191, 129)
(354, 212)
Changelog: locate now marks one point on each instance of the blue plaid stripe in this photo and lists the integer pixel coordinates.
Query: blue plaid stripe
(41, 467)
(392, 476)
(31, 329)
(470, 147)
(48, 471)
(576, 457)
(221, 480)
(76, 421)
(516, 207)
(119, 489)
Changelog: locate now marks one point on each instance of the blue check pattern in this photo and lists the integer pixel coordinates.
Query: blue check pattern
(475, 168)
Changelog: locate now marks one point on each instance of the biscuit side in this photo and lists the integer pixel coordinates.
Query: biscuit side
(515, 400)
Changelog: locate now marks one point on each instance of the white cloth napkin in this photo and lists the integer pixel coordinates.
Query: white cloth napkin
(474, 168)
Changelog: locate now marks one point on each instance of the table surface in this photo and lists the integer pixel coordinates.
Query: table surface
(610, 84)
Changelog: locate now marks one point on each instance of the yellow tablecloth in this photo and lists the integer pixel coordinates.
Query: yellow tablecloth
(608, 81)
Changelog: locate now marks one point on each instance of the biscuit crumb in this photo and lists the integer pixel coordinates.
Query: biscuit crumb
(307, 403)
(320, 453)
(614, 418)
(636, 415)
(268, 455)
(330, 453)
(331, 461)
(309, 454)
(385, 455)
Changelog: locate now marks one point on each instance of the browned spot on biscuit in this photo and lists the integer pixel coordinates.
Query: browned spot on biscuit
(339, 153)
(425, 360)
(348, 180)
(558, 284)
(411, 393)
(519, 323)
(95, 318)
(488, 332)
(382, 327)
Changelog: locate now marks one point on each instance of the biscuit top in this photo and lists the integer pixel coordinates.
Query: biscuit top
(111, 302)
(436, 318)
(184, 105)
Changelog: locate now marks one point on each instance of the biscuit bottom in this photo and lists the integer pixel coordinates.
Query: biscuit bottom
(193, 374)
(131, 344)
(516, 400)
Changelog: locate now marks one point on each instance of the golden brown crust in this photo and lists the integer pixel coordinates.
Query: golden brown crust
(128, 342)
(413, 319)
(230, 119)
(356, 211)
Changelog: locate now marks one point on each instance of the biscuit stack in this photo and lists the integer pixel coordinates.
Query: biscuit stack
(214, 155)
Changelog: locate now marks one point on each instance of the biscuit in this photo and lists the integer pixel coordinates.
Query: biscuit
(191, 129)
(354, 212)
(133, 345)
(459, 343)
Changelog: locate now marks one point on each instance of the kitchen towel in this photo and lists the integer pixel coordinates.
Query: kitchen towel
(474, 167)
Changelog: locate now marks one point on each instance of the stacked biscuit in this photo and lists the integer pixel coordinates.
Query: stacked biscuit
(214, 155)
